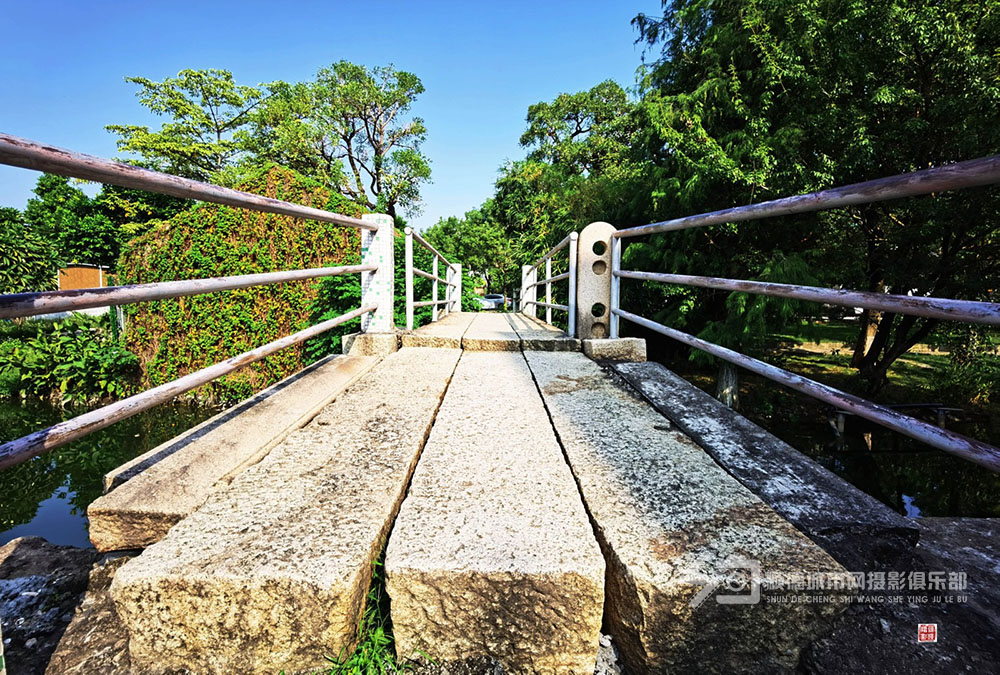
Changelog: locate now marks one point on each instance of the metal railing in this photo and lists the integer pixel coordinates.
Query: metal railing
(28, 154)
(530, 284)
(452, 280)
(974, 173)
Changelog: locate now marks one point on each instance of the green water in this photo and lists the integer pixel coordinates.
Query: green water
(48, 495)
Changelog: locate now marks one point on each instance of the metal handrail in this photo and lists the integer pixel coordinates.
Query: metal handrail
(27, 154)
(933, 308)
(20, 450)
(555, 249)
(548, 305)
(975, 451)
(978, 172)
(973, 173)
(452, 288)
(530, 281)
(16, 305)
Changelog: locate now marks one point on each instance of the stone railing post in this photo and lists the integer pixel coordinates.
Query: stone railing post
(377, 286)
(593, 281)
(529, 295)
(456, 305)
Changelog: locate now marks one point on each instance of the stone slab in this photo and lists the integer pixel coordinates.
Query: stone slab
(616, 349)
(491, 332)
(272, 572)
(535, 334)
(853, 527)
(370, 344)
(166, 484)
(492, 554)
(446, 332)
(674, 527)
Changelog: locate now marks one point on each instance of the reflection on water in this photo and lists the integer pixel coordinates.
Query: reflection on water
(904, 474)
(48, 495)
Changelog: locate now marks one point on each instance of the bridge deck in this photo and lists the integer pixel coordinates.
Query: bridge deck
(531, 471)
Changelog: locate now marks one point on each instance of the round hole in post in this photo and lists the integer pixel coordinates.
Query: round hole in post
(598, 331)
(598, 309)
(600, 247)
(600, 267)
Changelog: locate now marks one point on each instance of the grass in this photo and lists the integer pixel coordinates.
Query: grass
(375, 653)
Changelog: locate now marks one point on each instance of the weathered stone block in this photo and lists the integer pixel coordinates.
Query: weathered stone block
(272, 571)
(490, 332)
(853, 527)
(617, 349)
(446, 332)
(539, 336)
(370, 344)
(674, 527)
(157, 489)
(492, 555)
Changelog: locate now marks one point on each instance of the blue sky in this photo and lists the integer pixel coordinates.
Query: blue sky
(483, 64)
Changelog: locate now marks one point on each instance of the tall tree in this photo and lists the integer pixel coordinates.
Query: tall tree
(751, 101)
(205, 109)
(351, 126)
(68, 218)
(28, 260)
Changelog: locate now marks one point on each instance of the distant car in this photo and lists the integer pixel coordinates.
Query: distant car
(491, 301)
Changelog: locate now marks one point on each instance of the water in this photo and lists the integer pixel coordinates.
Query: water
(48, 495)
(906, 475)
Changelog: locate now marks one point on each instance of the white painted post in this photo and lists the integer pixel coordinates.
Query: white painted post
(548, 291)
(616, 264)
(434, 287)
(409, 278)
(447, 290)
(377, 286)
(457, 288)
(525, 291)
(573, 243)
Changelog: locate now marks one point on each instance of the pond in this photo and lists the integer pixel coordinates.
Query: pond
(48, 495)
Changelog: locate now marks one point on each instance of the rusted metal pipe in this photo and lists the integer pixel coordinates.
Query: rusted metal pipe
(972, 173)
(32, 445)
(548, 305)
(429, 303)
(27, 154)
(933, 308)
(29, 304)
(553, 279)
(552, 251)
(942, 439)
(426, 244)
(427, 275)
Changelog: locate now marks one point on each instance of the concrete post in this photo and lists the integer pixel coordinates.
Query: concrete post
(409, 278)
(548, 291)
(434, 287)
(593, 281)
(574, 240)
(529, 295)
(457, 298)
(377, 286)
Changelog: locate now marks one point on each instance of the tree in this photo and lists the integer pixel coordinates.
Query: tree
(77, 226)
(751, 101)
(28, 260)
(205, 109)
(584, 133)
(479, 244)
(349, 127)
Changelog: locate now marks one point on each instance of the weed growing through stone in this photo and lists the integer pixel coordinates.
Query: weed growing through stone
(375, 654)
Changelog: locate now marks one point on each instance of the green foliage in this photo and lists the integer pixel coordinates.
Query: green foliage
(28, 260)
(73, 361)
(480, 245)
(204, 108)
(973, 371)
(751, 101)
(350, 129)
(175, 337)
(79, 229)
(374, 654)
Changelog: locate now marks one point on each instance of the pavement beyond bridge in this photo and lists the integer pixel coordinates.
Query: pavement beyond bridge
(527, 498)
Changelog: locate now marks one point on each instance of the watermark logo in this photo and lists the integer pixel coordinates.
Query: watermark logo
(741, 584)
(927, 632)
